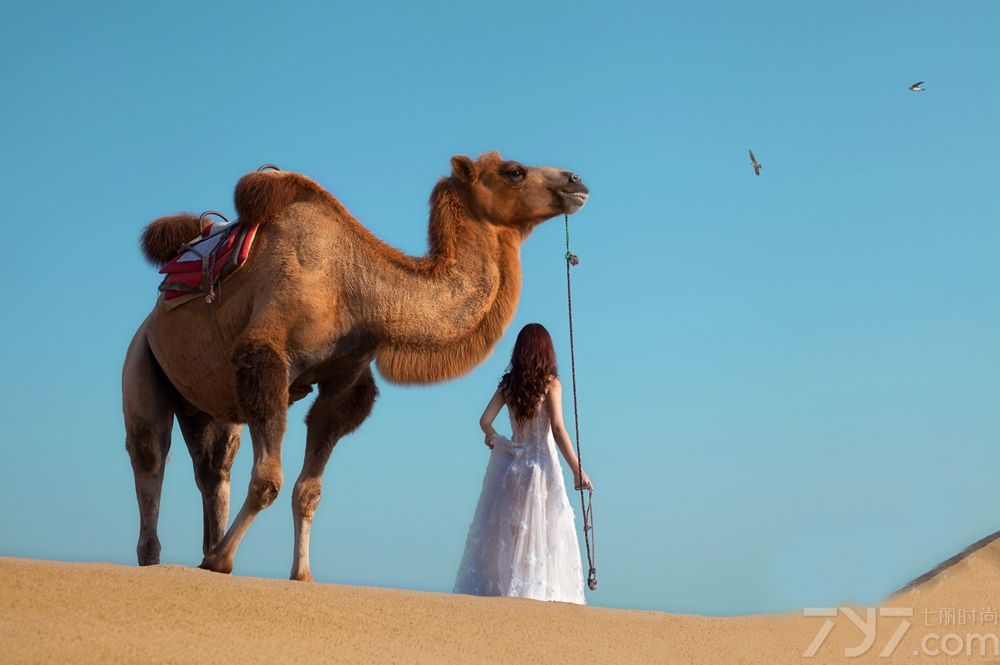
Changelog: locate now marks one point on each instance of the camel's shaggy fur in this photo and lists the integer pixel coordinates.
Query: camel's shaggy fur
(319, 299)
(161, 240)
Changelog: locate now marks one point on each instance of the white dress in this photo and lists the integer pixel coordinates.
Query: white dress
(522, 539)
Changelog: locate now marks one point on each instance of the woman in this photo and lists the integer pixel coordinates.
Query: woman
(522, 540)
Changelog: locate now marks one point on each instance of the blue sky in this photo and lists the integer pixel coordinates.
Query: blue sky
(788, 384)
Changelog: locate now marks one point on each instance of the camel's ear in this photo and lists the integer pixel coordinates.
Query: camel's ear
(463, 168)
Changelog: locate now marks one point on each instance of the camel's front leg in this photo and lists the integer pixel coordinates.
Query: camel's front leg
(262, 391)
(336, 412)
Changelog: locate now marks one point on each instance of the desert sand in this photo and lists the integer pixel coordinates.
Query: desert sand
(53, 612)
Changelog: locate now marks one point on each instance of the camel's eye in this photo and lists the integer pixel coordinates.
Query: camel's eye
(514, 174)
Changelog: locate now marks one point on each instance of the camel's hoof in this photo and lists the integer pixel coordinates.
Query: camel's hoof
(148, 553)
(217, 564)
(302, 577)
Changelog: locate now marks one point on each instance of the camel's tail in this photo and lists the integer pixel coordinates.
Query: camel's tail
(162, 239)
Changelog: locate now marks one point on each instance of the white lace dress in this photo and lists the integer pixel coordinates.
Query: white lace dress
(522, 539)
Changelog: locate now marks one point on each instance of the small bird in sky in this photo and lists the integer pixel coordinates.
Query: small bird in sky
(755, 164)
(916, 87)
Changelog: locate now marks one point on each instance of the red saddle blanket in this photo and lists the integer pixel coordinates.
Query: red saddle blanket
(205, 262)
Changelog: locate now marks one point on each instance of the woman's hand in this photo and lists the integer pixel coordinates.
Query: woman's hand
(489, 436)
(585, 484)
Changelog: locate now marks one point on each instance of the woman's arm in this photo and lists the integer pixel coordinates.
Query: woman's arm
(490, 414)
(562, 436)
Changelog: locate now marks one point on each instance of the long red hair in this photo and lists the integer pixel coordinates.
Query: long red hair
(532, 366)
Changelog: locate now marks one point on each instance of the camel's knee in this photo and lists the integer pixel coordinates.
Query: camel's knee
(213, 470)
(210, 477)
(213, 450)
(143, 444)
(208, 474)
(264, 488)
(306, 496)
(148, 551)
(261, 382)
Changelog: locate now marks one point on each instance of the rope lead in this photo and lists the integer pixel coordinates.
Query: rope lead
(585, 505)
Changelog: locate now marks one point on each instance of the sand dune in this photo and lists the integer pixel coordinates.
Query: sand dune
(102, 613)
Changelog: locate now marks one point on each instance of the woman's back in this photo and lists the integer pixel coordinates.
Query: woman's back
(536, 429)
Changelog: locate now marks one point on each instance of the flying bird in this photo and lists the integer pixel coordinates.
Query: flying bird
(916, 87)
(755, 164)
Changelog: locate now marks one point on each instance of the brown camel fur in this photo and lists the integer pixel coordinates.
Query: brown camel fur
(319, 299)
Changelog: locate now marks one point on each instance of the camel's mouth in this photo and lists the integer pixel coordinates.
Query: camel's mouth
(573, 201)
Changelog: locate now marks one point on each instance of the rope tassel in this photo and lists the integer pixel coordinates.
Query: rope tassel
(586, 505)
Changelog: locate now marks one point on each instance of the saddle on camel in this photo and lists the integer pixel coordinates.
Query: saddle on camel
(208, 260)
(313, 298)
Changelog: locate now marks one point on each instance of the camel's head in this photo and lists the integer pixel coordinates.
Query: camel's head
(511, 194)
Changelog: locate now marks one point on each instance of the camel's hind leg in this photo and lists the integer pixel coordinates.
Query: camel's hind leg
(213, 445)
(147, 403)
(262, 391)
(336, 412)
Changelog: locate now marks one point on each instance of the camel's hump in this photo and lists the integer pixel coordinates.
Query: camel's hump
(261, 195)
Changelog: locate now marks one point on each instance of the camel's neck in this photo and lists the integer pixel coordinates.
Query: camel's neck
(440, 316)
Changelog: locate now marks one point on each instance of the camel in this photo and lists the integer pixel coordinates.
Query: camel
(318, 300)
